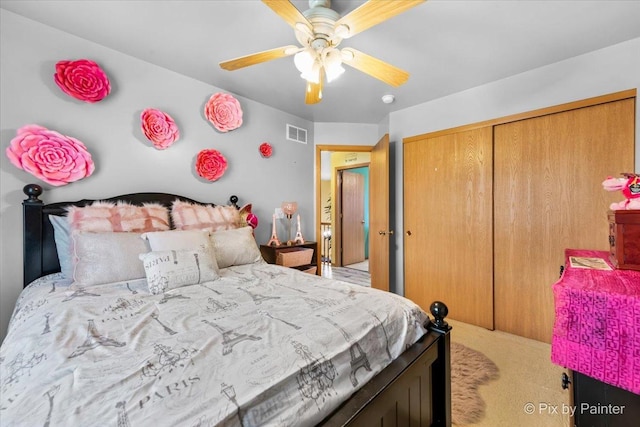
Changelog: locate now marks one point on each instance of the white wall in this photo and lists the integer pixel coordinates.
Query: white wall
(608, 70)
(345, 134)
(125, 160)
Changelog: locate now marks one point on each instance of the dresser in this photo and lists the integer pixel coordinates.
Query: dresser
(596, 335)
(275, 255)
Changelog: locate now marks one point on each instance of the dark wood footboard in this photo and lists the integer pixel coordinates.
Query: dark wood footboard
(414, 390)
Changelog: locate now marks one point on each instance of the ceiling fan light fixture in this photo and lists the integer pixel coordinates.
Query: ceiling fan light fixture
(333, 64)
(319, 31)
(312, 75)
(304, 60)
(334, 72)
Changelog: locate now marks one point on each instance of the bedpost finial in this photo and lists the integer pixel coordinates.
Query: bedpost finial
(33, 191)
(439, 310)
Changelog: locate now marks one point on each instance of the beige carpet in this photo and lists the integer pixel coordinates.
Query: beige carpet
(527, 376)
(469, 370)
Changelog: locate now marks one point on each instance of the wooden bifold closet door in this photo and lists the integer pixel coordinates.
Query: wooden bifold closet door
(490, 208)
(448, 224)
(548, 196)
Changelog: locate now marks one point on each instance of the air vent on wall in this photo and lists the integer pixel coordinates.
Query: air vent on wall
(296, 134)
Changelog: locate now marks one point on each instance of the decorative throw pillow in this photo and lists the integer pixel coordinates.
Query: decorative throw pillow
(177, 239)
(247, 217)
(62, 239)
(190, 216)
(235, 247)
(107, 257)
(166, 270)
(107, 216)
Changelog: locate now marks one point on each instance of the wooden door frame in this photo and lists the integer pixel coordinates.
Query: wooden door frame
(319, 150)
(337, 233)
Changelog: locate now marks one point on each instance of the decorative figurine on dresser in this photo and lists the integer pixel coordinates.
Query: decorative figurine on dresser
(274, 241)
(294, 252)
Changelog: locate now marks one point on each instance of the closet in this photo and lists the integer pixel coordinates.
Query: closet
(490, 207)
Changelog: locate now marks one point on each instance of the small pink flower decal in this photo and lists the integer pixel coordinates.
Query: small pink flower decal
(224, 111)
(159, 128)
(54, 158)
(211, 164)
(266, 150)
(82, 79)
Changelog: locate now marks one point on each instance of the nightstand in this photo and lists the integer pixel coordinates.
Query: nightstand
(276, 255)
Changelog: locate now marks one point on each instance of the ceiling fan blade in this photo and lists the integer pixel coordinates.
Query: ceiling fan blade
(257, 58)
(287, 11)
(372, 13)
(375, 67)
(313, 93)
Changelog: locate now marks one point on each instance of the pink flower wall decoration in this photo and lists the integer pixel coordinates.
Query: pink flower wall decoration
(82, 79)
(211, 164)
(159, 128)
(224, 111)
(54, 158)
(266, 150)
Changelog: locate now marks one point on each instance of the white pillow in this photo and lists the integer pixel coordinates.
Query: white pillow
(107, 257)
(177, 239)
(62, 238)
(166, 270)
(235, 247)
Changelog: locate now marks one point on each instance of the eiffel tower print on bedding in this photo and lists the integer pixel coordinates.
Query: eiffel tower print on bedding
(260, 345)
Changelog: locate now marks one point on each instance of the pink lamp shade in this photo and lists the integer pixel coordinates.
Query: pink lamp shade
(289, 208)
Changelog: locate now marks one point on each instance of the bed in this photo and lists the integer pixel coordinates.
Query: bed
(258, 344)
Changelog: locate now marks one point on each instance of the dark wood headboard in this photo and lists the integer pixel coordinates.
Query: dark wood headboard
(40, 255)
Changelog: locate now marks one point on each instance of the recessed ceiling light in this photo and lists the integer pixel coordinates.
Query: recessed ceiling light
(388, 99)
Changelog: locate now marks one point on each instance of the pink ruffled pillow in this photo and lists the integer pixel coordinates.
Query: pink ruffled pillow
(109, 216)
(188, 216)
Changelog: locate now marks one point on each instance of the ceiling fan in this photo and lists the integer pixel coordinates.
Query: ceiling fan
(320, 30)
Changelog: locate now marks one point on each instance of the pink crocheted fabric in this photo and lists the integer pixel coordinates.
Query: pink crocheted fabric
(597, 323)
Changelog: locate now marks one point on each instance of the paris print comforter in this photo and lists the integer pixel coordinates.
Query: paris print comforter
(262, 345)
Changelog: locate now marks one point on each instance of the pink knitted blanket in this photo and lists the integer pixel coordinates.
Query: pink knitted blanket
(597, 324)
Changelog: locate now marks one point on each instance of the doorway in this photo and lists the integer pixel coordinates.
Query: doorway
(352, 217)
(331, 238)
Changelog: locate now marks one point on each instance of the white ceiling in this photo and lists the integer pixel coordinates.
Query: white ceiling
(447, 46)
